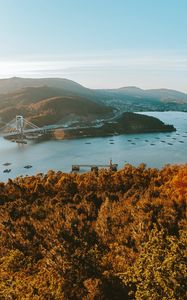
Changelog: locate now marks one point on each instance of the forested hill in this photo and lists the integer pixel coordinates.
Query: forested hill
(125, 98)
(45, 105)
(14, 84)
(104, 235)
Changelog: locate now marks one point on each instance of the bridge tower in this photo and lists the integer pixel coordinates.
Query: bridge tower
(20, 126)
(20, 129)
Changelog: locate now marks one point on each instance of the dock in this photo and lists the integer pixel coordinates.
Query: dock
(94, 167)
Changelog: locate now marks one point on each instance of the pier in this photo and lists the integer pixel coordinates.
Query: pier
(94, 167)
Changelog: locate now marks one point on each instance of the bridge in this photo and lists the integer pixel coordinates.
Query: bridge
(20, 129)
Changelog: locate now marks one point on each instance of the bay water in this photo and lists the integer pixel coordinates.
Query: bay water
(153, 149)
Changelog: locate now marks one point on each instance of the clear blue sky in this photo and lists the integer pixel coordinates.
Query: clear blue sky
(99, 43)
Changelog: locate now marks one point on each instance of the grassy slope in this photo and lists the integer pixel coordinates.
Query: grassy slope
(45, 105)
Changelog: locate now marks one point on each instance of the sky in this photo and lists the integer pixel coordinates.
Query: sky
(97, 43)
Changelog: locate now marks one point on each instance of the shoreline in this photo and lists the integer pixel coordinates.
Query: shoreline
(93, 170)
(126, 123)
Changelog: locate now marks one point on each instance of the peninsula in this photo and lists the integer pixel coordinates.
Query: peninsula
(126, 123)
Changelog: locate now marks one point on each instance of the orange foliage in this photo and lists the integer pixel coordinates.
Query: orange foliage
(180, 182)
(68, 236)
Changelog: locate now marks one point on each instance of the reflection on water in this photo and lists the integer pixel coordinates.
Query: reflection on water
(154, 149)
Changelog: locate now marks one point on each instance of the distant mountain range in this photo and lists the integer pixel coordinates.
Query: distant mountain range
(68, 86)
(49, 99)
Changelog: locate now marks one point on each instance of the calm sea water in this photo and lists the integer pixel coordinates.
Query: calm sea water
(155, 149)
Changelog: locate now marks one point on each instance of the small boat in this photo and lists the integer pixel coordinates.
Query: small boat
(146, 141)
(129, 140)
(111, 143)
(174, 138)
(152, 144)
(163, 141)
(27, 166)
(7, 164)
(170, 144)
(7, 171)
(133, 143)
(181, 141)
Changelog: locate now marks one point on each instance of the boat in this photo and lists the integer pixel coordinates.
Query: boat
(7, 164)
(27, 166)
(7, 171)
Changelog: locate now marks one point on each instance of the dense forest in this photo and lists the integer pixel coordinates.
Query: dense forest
(99, 235)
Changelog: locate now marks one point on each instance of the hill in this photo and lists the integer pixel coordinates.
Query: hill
(135, 99)
(104, 235)
(168, 95)
(67, 109)
(44, 101)
(159, 94)
(45, 105)
(15, 83)
(138, 123)
(126, 123)
(125, 98)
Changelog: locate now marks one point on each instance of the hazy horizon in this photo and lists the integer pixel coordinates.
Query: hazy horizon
(98, 44)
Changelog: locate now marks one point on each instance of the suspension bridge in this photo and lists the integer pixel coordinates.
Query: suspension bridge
(20, 130)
